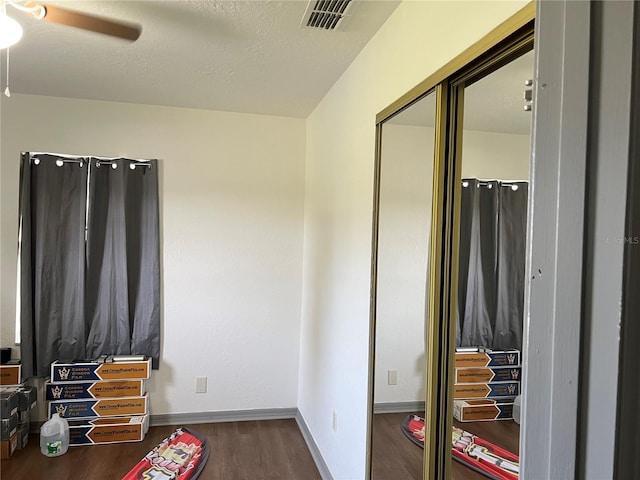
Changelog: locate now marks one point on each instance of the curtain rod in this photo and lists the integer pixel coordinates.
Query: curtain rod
(503, 182)
(87, 157)
(64, 158)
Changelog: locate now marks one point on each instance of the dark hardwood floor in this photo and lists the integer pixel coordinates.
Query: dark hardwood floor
(265, 450)
(396, 458)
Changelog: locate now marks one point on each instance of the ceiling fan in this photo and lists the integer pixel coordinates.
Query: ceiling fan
(11, 31)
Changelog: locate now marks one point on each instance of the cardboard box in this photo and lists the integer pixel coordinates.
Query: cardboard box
(7, 447)
(80, 390)
(108, 430)
(100, 370)
(489, 358)
(24, 416)
(486, 390)
(104, 407)
(27, 398)
(487, 375)
(11, 373)
(8, 427)
(23, 435)
(8, 403)
(482, 410)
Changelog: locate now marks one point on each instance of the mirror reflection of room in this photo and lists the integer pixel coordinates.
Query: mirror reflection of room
(406, 172)
(489, 320)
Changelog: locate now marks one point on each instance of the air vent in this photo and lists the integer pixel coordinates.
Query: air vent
(327, 14)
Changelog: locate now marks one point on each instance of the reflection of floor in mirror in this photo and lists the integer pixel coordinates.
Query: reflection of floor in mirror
(395, 457)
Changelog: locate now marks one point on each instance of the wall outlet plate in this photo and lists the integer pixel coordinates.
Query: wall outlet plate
(201, 384)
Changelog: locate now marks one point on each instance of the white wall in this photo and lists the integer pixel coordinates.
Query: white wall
(231, 220)
(417, 39)
(406, 180)
(495, 156)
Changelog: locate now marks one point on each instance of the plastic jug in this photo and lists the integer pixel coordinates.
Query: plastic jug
(516, 409)
(54, 436)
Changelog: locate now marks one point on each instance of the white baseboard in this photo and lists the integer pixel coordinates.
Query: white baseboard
(398, 407)
(325, 473)
(218, 417)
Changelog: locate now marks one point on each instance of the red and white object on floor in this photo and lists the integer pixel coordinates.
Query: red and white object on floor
(475, 452)
(180, 456)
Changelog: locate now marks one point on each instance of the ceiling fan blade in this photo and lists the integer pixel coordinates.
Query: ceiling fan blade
(72, 18)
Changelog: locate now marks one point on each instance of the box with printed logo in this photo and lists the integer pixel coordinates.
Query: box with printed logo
(486, 390)
(95, 431)
(81, 390)
(102, 407)
(107, 368)
(488, 358)
(11, 373)
(483, 410)
(487, 375)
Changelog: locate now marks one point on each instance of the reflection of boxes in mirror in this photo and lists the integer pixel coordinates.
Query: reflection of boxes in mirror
(486, 390)
(486, 381)
(483, 410)
(487, 358)
(487, 375)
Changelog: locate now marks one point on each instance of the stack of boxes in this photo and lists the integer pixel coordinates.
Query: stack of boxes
(104, 401)
(486, 383)
(16, 402)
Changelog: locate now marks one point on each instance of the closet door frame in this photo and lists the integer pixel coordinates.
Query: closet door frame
(497, 48)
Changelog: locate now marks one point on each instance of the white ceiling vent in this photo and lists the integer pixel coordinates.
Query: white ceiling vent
(327, 14)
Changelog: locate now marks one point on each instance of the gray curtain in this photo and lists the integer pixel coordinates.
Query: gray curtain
(113, 273)
(491, 264)
(123, 259)
(52, 211)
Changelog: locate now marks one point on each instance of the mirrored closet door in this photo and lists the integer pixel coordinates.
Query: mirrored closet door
(494, 153)
(447, 274)
(404, 187)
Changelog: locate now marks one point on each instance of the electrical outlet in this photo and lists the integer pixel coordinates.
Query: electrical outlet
(201, 384)
(335, 421)
(392, 377)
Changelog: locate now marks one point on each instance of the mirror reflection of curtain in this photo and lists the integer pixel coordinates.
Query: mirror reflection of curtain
(493, 219)
(84, 296)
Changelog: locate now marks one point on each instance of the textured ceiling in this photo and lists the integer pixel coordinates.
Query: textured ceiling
(239, 56)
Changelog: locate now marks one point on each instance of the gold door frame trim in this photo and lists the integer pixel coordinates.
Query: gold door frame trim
(374, 295)
(437, 377)
(497, 47)
(493, 38)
